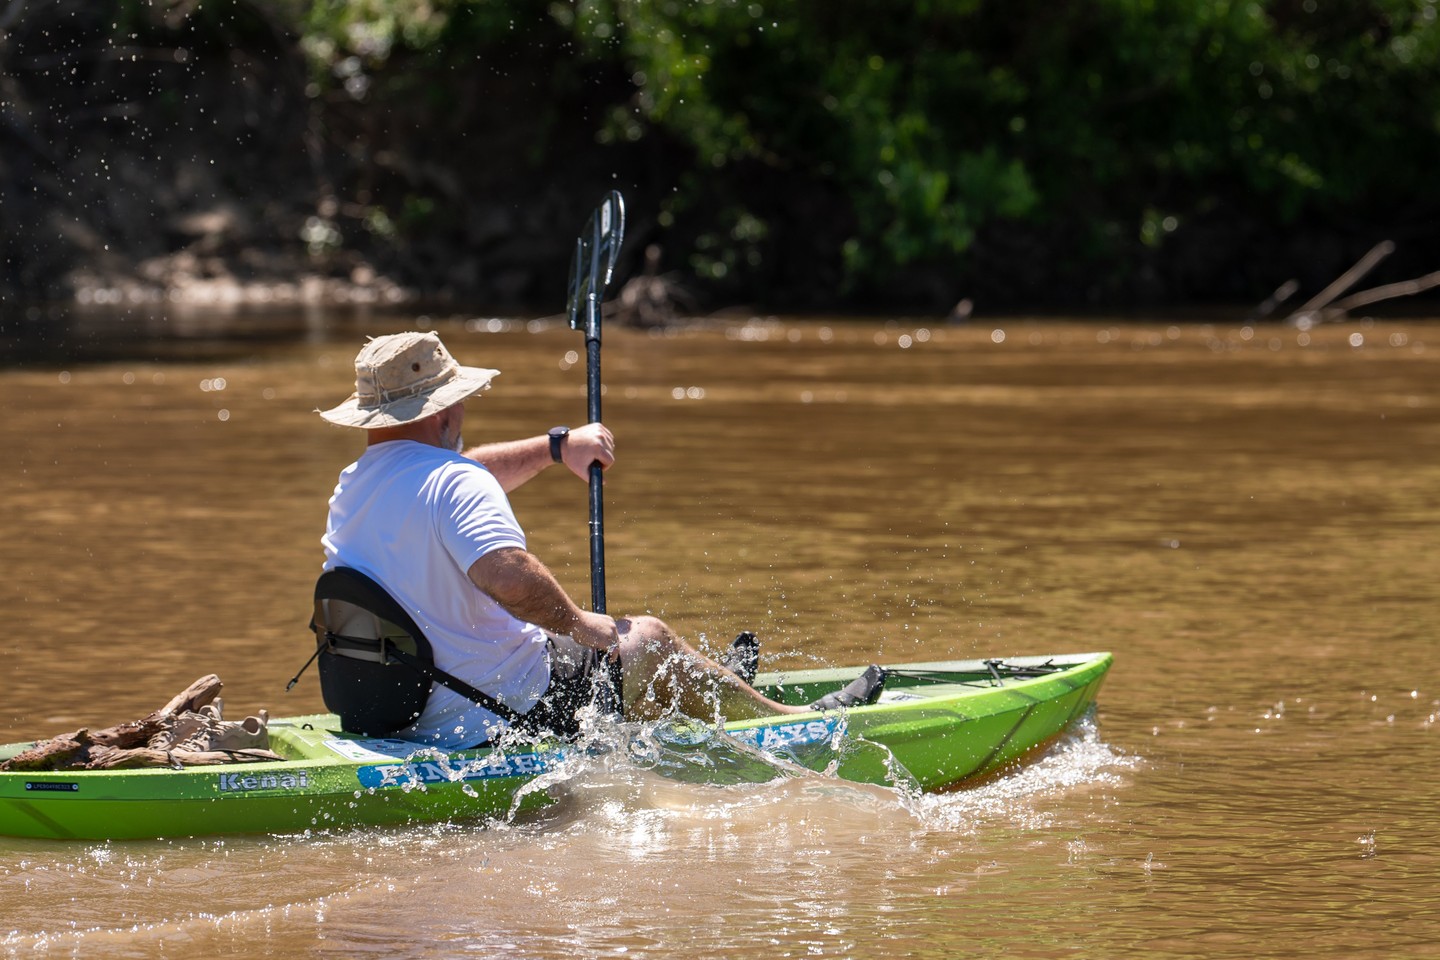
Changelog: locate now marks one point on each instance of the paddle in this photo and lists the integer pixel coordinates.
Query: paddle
(595, 252)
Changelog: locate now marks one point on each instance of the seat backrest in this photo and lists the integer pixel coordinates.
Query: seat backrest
(355, 618)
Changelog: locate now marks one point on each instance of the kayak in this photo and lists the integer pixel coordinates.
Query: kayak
(935, 727)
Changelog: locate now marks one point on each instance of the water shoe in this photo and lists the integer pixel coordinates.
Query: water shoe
(862, 691)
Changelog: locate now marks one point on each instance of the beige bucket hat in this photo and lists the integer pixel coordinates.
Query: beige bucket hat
(405, 377)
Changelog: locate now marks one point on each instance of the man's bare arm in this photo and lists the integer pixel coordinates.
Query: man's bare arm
(513, 462)
(525, 587)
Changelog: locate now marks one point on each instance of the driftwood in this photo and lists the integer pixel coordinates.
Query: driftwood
(108, 758)
(1325, 306)
(189, 730)
(1308, 314)
(1271, 303)
(1404, 288)
(199, 694)
(1345, 281)
(52, 754)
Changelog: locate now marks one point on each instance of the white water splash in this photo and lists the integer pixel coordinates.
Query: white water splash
(1078, 761)
(671, 773)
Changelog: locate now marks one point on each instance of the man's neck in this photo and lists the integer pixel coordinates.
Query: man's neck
(408, 431)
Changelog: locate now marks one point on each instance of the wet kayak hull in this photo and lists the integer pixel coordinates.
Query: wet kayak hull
(937, 726)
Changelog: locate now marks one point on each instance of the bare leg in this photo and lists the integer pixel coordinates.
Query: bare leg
(663, 673)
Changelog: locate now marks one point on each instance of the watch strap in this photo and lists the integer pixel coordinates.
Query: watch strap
(557, 439)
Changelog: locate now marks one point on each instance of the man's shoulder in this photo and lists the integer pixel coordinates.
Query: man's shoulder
(396, 453)
(421, 465)
(459, 473)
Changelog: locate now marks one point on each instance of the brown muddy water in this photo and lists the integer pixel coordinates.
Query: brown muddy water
(1247, 517)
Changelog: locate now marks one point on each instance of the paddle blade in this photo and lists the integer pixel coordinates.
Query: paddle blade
(596, 250)
(579, 277)
(610, 233)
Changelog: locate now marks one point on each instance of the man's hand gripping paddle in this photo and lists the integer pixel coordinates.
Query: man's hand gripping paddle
(596, 249)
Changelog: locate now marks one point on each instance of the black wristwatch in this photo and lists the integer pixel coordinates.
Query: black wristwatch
(557, 438)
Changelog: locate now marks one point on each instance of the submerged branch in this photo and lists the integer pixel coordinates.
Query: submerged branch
(1389, 291)
(1346, 280)
(1271, 303)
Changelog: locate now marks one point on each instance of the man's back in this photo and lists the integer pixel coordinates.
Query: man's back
(415, 518)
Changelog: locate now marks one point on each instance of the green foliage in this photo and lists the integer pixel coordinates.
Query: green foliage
(840, 93)
(938, 119)
(341, 37)
(867, 140)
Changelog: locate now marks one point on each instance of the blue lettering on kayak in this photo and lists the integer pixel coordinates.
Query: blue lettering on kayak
(437, 768)
(246, 782)
(779, 736)
(445, 770)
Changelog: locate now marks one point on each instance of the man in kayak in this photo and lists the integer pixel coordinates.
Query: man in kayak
(431, 522)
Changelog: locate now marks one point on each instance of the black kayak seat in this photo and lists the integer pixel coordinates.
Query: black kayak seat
(376, 667)
(359, 627)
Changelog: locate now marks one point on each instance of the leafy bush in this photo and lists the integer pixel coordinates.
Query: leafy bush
(1123, 119)
(808, 153)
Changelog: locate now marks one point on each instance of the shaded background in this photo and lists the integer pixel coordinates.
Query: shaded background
(801, 156)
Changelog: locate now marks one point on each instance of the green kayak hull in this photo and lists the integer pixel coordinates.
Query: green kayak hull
(937, 726)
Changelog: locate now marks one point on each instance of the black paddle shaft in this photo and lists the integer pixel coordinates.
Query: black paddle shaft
(597, 502)
(595, 252)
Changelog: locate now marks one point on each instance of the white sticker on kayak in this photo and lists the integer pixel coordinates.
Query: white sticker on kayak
(362, 751)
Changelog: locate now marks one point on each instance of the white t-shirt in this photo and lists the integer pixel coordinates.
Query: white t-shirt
(414, 518)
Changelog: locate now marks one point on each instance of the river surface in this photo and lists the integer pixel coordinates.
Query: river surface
(1248, 518)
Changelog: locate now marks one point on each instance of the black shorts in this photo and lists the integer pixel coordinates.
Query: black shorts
(579, 676)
